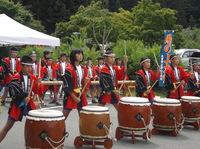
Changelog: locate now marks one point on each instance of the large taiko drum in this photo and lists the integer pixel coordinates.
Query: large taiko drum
(130, 113)
(94, 122)
(44, 129)
(167, 114)
(190, 108)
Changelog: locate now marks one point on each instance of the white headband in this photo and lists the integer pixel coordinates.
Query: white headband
(173, 57)
(112, 54)
(144, 61)
(29, 64)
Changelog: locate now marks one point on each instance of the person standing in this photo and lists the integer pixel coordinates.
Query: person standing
(109, 80)
(193, 85)
(144, 79)
(75, 78)
(49, 74)
(20, 88)
(175, 78)
(92, 75)
(11, 65)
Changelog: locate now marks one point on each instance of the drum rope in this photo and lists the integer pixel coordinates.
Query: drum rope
(109, 131)
(147, 128)
(177, 124)
(48, 139)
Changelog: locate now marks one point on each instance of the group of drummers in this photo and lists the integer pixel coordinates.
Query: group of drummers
(23, 77)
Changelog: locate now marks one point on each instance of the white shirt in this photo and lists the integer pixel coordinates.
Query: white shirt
(80, 73)
(176, 71)
(49, 72)
(196, 76)
(25, 82)
(63, 64)
(34, 69)
(111, 70)
(13, 63)
(100, 66)
(148, 79)
(90, 71)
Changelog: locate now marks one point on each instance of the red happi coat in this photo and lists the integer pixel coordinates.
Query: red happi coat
(141, 83)
(58, 70)
(17, 93)
(171, 82)
(71, 84)
(193, 85)
(38, 66)
(93, 77)
(2, 76)
(45, 76)
(44, 62)
(98, 70)
(6, 64)
(122, 75)
(109, 83)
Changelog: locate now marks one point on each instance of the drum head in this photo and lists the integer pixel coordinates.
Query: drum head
(190, 98)
(166, 101)
(95, 109)
(134, 100)
(45, 115)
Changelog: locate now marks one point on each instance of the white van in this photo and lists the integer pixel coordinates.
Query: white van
(184, 55)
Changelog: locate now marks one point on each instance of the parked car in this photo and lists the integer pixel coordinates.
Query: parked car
(185, 54)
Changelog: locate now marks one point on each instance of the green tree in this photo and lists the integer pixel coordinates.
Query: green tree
(94, 20)
(18, 13)
(146, 22)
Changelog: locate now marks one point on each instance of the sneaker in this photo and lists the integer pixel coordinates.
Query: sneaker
(43, 104)
(3, 103)
(94, 101)
(58, 104)
(88, 96)
(52, 102)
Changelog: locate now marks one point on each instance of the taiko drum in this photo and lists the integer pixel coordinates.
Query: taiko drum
(167, 114)
(43, 124)
(94, 122)
(131, 111)
(190, 108)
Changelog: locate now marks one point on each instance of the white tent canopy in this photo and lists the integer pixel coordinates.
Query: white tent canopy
(14, 33)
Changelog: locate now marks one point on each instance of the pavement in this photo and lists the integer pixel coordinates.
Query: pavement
(188, 138)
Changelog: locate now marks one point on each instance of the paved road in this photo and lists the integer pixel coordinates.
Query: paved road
(188, 138)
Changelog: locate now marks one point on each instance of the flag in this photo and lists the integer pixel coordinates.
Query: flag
(165, 53)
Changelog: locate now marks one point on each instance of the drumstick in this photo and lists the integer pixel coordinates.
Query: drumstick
(125, 47)
(153, 84)
(178, 86)
(155, 59)
(83, 87)
(39, 68)
(29, 95)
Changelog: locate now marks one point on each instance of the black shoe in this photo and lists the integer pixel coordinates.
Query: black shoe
(58, 104)
(52, 102)
(60, 96)
(94, 101)
(3, 103)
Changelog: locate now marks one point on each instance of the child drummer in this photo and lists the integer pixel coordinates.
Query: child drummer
(175, 77)
(144, 79)
(49, 74)
(109, 80)
(19, 88)
(193, 85)
(74, 81)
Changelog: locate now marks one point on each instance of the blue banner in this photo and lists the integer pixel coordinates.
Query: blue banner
(165, 53)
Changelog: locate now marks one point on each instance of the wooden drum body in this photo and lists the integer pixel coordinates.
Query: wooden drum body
(167, 114)
(43, 126)
(94, 122)
(130, 113)
(190, 108)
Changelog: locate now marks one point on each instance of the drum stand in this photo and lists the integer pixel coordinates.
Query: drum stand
(120, 134)
(196, 124)
(173, 133)
(79, 142)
